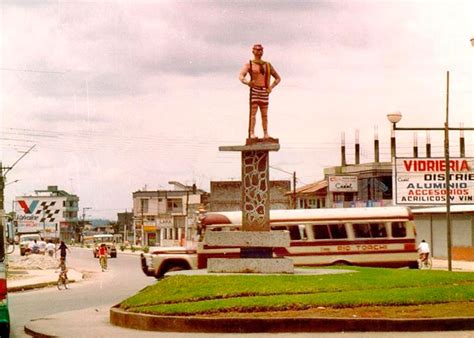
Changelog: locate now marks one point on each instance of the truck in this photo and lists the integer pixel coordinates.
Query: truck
(25, 239)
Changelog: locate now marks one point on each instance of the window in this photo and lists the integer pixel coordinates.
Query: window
(297, 232)
(144, 205)
(378, 230)
(338, 230)
(361, 230)
(372, 230)
(175, 205)
(399, 229)
(321, 231)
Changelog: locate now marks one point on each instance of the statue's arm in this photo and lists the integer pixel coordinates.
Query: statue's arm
(243, 74)
(276, 76)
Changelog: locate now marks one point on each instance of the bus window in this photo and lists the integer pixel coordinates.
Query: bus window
(295, 234)
(378, 230)
(361, 230)
(399, 229)
(338, 230)
(303, 233)
(321, 231)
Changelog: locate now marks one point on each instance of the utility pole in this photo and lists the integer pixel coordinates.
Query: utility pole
(2, 198)
(294, 189)
(125, 237)
(2, 212)
(83, 222)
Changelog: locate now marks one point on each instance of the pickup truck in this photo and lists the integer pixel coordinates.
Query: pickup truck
(166, 259)
(25, 240)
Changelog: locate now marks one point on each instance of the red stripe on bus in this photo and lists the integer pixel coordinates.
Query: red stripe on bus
(340, 253)
(355, 242)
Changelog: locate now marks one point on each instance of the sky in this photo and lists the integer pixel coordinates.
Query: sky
(118, 96)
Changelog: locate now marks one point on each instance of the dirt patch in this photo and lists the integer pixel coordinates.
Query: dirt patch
(33, 262)
(454, 309)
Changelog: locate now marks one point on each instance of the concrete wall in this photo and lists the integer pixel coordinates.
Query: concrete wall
(432, 228)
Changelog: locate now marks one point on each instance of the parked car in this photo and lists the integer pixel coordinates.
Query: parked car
(108, 239)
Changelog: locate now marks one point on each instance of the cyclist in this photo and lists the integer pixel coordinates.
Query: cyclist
(424, 250)
(103, 256)
(63, 269)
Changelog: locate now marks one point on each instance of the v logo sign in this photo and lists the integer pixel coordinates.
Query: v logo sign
(28, 209)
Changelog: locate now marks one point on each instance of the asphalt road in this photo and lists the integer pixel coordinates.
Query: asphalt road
(123, 279)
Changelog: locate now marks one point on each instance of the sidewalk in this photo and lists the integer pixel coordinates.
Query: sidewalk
(33, 279)
(442, 264)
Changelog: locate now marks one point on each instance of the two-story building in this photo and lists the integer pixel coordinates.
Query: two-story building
(51, 212)
(167, 217)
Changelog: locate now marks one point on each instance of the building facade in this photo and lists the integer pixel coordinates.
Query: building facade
(167, 217)
(227, 195)
(52, 212)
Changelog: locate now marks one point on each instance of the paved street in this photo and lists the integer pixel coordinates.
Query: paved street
(65, 313)
(123, 279)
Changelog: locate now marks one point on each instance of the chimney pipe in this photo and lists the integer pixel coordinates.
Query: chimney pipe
(428, 144)
(357, 147)
(343, 150)
(462, 144)
(415, 145)
(376, 146)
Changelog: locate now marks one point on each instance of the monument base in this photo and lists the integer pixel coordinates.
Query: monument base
(256, 140)
(250, 265)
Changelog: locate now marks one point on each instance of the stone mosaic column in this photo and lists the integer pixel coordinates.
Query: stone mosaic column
(255, 191)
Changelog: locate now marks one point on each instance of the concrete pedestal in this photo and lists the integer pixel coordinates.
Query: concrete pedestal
(255, 240)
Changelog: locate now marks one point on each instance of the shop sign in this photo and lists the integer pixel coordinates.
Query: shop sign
(342, 183)
(423, 181)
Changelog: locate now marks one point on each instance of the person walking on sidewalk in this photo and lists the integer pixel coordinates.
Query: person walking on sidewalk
(62, 249)
(103, 256)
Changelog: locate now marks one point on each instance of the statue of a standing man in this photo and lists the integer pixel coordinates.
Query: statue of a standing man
(260, 88)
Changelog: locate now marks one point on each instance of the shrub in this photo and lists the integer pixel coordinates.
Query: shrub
(122, 247)
(146, 249)
(133, 248)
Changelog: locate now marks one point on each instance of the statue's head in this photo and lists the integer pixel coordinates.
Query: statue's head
(257, 49)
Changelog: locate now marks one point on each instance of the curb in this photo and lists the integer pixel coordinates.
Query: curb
(196, 324)
(35, 286)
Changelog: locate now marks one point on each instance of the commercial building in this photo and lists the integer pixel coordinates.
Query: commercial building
(372, 185)
(51, 212)
(167, 217)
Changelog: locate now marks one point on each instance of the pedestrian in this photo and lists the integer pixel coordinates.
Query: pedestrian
(50, 248)
(33, 247)
(42, 246)
(62, 249)
(260, 88)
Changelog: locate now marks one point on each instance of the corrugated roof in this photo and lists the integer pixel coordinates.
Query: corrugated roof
(312, 188)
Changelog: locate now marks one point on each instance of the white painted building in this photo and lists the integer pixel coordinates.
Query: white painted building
(51, 212)
(166, 217)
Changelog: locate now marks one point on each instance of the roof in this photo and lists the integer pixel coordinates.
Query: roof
(459, 208)
(311, 188)
(309, 215)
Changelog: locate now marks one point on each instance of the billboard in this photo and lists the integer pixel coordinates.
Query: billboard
(342, 183)
(422, 181)
(34, 214)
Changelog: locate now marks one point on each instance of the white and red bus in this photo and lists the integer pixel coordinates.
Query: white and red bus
(378, 236)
